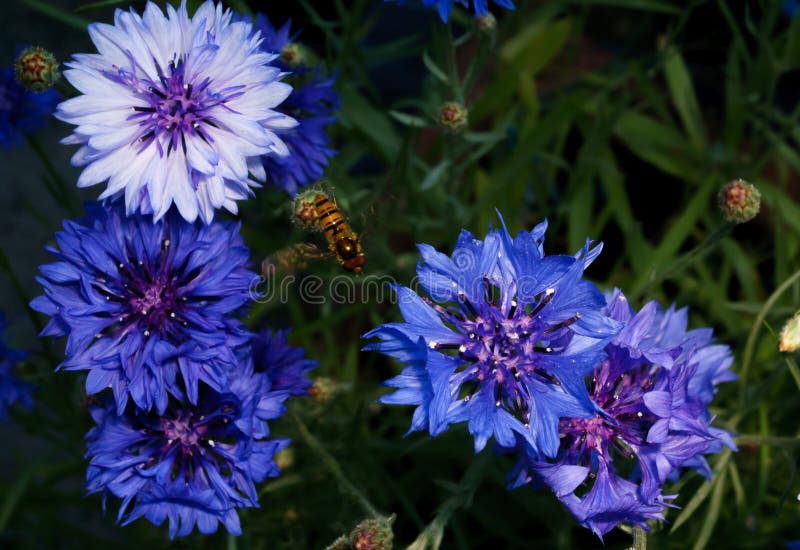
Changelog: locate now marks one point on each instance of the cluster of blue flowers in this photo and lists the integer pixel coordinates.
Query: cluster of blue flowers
(599, 402)
(180, 116)
(183, 115)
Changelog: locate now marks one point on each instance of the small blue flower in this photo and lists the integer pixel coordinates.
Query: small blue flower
(481, 7)
(175, 109)
(148, 309)
(503, 342)
(650, 420)
(192, 464)
(21, 112)
(12, 389)
(285, 365)
(312, 103)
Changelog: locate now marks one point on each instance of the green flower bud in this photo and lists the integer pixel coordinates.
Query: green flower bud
(739, 201)
(292, 54)
(453, 115)
(284, 459)
(36, 69)
(486, 23)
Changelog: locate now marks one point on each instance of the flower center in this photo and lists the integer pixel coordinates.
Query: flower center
(177, 106)
(624, 420)
(151, 296)
(501, 350)
(183, 431)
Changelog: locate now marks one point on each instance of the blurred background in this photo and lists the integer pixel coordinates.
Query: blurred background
(613, 119)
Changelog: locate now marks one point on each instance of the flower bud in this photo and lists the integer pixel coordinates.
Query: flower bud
(292, 54)
(486, 23)
(453, 115)
(373, 534)
(739, 201)
(284, 459)
(36, 69)
(790, 335)
(324, 389)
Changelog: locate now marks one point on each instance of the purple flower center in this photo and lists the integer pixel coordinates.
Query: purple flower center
(183, 431)
(193, 435)
(151, 294)
(624, 420)
(500, 350)
(176, 105)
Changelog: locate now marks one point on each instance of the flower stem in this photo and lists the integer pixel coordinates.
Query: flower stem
(639, 538)
(431, 536)
(335, 468)
(749, 347)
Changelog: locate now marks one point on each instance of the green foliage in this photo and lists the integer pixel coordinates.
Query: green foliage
(600, 117)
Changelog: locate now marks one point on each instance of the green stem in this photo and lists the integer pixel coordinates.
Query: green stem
(431, 536)
(63, 191)
(6, 267)
(335, 468)
(451, 64)
(770, 440)
(639, 538)
(749, 347)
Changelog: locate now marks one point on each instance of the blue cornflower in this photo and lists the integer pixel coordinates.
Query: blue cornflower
(650, 395)
(312, 103)
(12, 389)
(481, 7)
(503, 344)
(175, 110)
(192, 464)
(283, 368)
(142, 302)
(285, 365)
(21, 111)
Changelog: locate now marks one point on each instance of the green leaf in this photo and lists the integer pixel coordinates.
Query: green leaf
(435, 174)
(434, 68)
(662, 146)
(681, 90)
(374, 123)
(522, 57)
(48, 10)
(713, 513)
(672, 241)
(702, 493)
(409, 120)
(643, 5)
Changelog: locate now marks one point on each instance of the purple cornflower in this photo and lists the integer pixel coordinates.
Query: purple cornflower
(312, 103)
(650, 420)
(481, 7)
(192, 464)
(503, 343)
(21, 111)
(12, 389)
(175, 110)
(142, 303)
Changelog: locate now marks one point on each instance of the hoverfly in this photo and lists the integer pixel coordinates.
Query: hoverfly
(316, 210)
